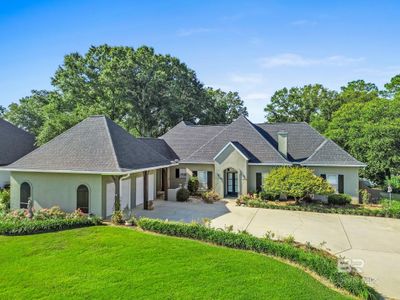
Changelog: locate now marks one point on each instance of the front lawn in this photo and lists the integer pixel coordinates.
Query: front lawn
(105, 262)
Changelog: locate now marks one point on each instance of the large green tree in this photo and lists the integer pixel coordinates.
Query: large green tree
(145, 92)
(370, 132)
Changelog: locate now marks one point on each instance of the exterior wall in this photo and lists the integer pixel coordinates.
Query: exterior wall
(253, 169)
(4, 178)
(351, 178)
(231, 158)
(175, 182)
(51, 189)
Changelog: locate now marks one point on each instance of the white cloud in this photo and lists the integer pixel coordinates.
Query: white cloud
(295, 60)
(192, 31)
(246, 78)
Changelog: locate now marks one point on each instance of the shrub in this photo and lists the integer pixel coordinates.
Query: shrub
(117, 217)
(182, 195)
(365, 196)
(339, 199)
(193, 185)
(27, 226)
(4, 200)
(210, 197)
(298, 182)
(394, 182)
(318, 261)
(54, 212)
(268, 196)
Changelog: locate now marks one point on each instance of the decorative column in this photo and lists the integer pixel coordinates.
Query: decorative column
(165, 183)
(145, 190)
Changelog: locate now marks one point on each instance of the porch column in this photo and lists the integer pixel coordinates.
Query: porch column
(145, 190)
(165, 183)
(117, 196)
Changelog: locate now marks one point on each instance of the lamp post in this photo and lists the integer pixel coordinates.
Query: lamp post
(389, 189)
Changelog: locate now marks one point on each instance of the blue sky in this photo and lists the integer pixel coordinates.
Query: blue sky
(253, 47)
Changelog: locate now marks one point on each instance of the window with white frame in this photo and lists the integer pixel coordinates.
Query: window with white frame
(202, 177)
(333, 181)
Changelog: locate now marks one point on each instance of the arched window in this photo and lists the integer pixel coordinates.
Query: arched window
(82, 198)
(25, 194)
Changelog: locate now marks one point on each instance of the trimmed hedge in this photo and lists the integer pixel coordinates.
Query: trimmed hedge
(326, 210)
(317, 261)
(182, 195)
(27, 226)
(339, 199)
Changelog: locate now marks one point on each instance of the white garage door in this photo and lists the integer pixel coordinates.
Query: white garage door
(151, 187)
(125, 193)
(110, 197)
(139, 190)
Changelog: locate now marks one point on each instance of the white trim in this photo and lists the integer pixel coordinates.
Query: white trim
(236, 148)
(194, 162)
(270, 164)
(327, 165)
(86, 172)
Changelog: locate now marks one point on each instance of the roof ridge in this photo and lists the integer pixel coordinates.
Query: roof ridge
(105, 120)
(265, 140)
(317, 149)
(202, 146)
(49, 142)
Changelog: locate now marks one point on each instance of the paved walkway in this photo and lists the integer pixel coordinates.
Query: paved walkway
(371, 243)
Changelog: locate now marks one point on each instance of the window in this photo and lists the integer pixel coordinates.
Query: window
(258, 182)
(180, 173)
(82, 198)
(209, 180)
(203, 182)
(25, 195)
(333, 181)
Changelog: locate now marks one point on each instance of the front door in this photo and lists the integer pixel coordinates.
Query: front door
(232, 184)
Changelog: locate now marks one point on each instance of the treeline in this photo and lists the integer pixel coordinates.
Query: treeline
(144, 92)
(361, 118)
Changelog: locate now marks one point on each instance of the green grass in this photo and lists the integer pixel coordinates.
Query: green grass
(112, 263)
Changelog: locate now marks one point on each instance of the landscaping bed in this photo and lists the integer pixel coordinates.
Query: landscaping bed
(110, 262)
(384, 209)
(318, 261)
(19, 222)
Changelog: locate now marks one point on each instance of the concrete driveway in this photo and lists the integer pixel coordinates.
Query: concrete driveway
(372, 244)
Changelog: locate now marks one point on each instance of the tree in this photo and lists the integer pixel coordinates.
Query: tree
(297, 182)
(2, 111)
(301, 104)
(370, 132)
(144, 92)
(227, 107)
(358, 91)
(393, 87)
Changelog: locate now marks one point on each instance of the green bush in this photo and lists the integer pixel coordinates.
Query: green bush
(182, 195)
(117, 217)
(394, 182)
(210, 197)
(323, 264)
(27, 226)
(4, 200)
(339, 199)
(268, 196)
(193, 185)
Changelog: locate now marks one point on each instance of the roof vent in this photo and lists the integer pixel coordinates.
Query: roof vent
(282, 143)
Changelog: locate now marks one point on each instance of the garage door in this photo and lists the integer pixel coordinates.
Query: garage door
(125, 193)
(139, 190)
(151, 187)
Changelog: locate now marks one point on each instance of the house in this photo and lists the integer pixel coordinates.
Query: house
(87, 167)
(14, 143)
(96, 161)
(233, 159)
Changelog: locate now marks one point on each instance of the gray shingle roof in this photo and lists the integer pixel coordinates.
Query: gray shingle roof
(185, 138)
(160, 146)
(259, 142)
(95, 145)
(329, 153)
(241, 131)
(14, 143)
